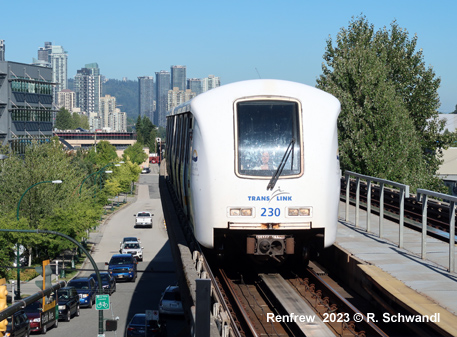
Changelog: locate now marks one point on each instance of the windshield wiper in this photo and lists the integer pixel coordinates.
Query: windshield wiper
(274, 178)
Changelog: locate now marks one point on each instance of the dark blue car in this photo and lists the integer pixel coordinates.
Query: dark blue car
(122, 267)
(108, 282)
(137, 327)
(85, 286)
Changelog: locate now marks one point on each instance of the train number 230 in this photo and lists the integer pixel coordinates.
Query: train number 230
(270, 212)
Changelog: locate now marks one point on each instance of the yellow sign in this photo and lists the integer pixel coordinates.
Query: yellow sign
(47, 306)
(3, 304)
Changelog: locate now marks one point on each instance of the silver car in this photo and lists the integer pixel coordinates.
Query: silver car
(170, 302)
(133, 248)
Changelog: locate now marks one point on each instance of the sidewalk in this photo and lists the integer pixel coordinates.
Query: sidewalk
(429, 277)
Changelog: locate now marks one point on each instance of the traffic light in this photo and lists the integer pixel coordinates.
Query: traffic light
(3, 304)
(111, 325)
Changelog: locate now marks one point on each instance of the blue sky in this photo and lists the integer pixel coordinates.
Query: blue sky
(235, 40)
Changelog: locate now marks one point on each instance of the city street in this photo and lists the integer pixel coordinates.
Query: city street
(157, 270)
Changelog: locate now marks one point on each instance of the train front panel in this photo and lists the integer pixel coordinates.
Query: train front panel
(265, 171)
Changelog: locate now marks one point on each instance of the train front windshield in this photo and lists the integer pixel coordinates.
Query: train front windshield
(268, 134)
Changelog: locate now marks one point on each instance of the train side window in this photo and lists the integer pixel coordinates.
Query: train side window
(265, 129)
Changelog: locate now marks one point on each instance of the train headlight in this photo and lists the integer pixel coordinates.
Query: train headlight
(240, 211)
(235, 212)
(246, 212)
(304, 211)
(299, 211)
(293, 211)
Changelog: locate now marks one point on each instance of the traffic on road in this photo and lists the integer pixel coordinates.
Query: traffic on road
(135, 304)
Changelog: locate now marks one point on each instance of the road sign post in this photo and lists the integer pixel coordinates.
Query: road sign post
(102, 302)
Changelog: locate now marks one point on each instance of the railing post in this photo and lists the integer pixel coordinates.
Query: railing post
(348, 184)
(357, 201)
(452, 237)
(368, 205)
(424, 226)
(381, 209)
(402, 218)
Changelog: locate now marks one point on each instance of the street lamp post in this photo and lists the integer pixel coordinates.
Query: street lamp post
(97, 172)
(18, 293)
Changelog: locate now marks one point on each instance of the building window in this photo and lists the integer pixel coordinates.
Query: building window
(27, 114)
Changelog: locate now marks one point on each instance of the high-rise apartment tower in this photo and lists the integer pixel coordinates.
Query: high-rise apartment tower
(162, 87)
(146, 97)
(178, 77)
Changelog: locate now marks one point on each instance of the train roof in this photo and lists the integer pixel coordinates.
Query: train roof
(228, 93)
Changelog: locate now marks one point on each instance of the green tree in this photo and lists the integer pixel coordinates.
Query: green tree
(146, 131)
(42, 206)
(388, 126)
(102, 154)
(80, 121)
(135, 153)
(139, 130)
(64, 120)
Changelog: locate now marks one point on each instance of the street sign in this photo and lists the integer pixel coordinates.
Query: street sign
(102, 302)
(152, 315)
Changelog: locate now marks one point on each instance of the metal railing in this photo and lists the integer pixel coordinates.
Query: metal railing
(424, 194)
(404, 190)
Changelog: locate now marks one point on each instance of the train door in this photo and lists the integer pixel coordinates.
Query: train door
(178, 136)
(190, 162)
(181, 158)
(171, 144)
(186, 162)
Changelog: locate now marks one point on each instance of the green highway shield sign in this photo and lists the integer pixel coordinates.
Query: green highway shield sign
(102, 302)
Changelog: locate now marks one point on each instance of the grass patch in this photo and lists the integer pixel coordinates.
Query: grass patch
(26, 274)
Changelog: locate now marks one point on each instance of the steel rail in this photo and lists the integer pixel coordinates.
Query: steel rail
(243, 311)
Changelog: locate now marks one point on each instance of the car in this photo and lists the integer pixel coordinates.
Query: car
(68, 301)
(129, 238)
(18, 325)
(133, 248)
(85, 286)
(108, 282)
(123, 267)
(170, 303)
(137, 327)
(143, 219)
(40, 320)
(146, 170)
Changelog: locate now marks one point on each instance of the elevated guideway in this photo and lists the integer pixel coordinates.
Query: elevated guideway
(422, 287)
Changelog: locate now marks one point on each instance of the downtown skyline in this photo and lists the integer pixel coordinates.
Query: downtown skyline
(235, 41)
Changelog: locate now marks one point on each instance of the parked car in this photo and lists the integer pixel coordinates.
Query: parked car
(129, 238)
(137, 327)
(146, 170)
(108, 282)
(41, 321)
(133, 248)
(68, 299)
(85, 286)
(170, 302)
(18, 325)
(123, 267)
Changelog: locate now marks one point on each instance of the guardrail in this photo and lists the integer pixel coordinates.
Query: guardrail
(404, 190)
(422, 196)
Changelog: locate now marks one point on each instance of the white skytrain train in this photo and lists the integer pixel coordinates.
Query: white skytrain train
(255, 167)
